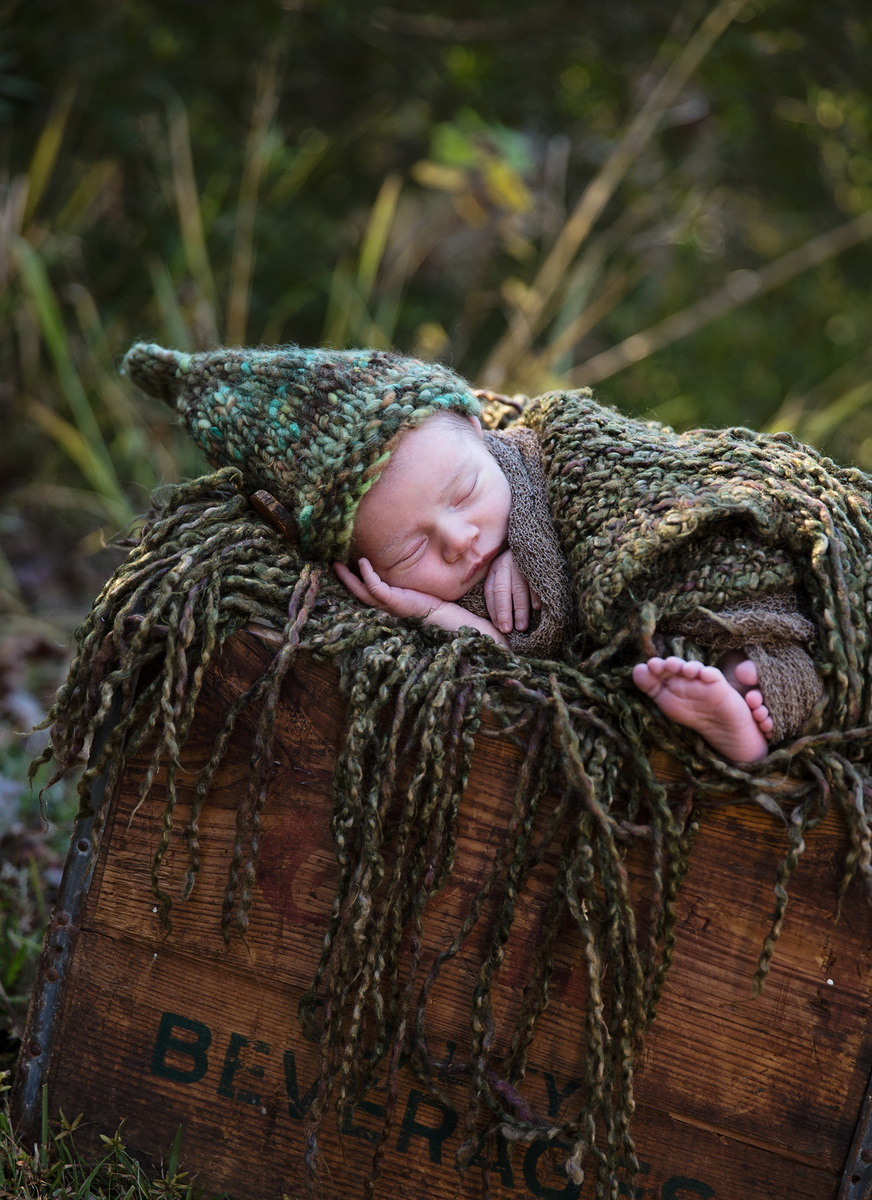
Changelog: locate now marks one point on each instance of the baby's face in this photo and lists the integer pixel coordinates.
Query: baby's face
(439, 515)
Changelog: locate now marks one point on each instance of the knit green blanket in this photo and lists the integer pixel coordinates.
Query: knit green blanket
(654, 526)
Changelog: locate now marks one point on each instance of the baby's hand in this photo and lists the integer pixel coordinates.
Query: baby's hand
(507, 594)
(405, 602)
(372, 590)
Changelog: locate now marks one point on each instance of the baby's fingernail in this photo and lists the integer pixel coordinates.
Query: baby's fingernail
(505, 626)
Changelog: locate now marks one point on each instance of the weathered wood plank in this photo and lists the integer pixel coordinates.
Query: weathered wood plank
(210, 1050)
(737, 1096)
(782, 1051)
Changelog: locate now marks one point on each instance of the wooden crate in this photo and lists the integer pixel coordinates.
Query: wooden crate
(738, 1098)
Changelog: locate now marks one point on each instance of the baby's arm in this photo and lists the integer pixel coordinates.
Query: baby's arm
(507, 594)
(406, 602)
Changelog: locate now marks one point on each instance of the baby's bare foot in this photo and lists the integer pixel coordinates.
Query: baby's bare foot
(702, 698)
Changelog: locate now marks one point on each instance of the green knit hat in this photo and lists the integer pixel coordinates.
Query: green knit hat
(313, 427)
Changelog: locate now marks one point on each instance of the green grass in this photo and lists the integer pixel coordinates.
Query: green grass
(33, 850)
(53, 1167)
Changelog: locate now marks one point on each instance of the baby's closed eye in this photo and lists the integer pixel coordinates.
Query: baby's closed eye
(465, 491)
(409, 556)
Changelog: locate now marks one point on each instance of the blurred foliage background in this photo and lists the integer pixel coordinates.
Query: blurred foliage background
(672, 202)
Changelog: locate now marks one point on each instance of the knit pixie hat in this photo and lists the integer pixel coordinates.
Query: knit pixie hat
(313, 427)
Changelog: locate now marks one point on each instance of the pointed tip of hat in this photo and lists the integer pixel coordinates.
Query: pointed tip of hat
(156, 371)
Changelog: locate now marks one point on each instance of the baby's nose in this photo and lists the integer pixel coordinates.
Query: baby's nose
(458, 536)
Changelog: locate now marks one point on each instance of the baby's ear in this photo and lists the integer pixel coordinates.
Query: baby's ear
(477, 423)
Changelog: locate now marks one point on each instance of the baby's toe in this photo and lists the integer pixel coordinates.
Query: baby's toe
(746, 673)
(644, 678)
(764, 722)
(709, 674)
(640, 673)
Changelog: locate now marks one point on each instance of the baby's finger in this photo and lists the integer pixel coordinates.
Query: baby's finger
(373, 581)
(498, 598)
(358, 589)
(521, 602)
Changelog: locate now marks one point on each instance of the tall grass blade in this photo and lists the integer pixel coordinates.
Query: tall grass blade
(168, 305)
(88, 199)
(375, 238)
(91, 325)
(524, 326)
(57, 495)
(76, 447)
(611, 292)
(173, 1165)
(796, 410)
(343, 305)
(348, 316)
(822, 424)
(84, 1190)
(103, 381)
(257, 155)
(190, 215)
(46, 153)
(740, 288)
(590, 289)
(410, 252)
(100, 470)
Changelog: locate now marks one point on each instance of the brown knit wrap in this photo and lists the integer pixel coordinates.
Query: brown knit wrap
(534, 545)
(790, 685)
(771, 632)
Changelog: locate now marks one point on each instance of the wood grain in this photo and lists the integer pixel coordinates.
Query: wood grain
(738, 1097)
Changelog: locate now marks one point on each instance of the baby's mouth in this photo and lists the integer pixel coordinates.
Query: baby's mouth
(481, 565)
